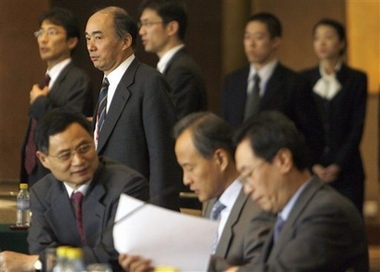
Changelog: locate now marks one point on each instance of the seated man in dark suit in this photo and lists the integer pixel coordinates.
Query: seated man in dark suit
(317, 229)
(66, 147)
(266, 84)
(205, 152)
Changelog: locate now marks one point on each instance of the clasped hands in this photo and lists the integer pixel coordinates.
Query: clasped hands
(36, 92)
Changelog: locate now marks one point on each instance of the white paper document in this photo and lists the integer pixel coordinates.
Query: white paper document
(166, 237)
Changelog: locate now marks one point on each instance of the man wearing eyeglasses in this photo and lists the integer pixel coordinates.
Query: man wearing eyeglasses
(205, 152)
(317, 229)
(162, 28)
(66, 147)
(63, 85)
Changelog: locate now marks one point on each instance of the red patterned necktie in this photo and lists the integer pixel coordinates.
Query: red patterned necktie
(77, 198)
(30, 148)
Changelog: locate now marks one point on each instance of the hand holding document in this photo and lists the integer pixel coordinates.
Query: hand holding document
(163, 236)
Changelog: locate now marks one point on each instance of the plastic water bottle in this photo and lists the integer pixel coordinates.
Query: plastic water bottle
(75, 261)
(23, 206)
(61, 259)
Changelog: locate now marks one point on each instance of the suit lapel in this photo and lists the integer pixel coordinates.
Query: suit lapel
(62, 223)
(94, 210)
(118, 103)
(60, 78)
(174, 58)
(273, 86)
(228, 234)
(290, 224)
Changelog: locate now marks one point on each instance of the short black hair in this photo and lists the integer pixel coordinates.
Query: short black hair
(270, 131)
(64, 18)
(339, 28)
(56, 121)
(169, 10)
(209, 133)
(272, 23)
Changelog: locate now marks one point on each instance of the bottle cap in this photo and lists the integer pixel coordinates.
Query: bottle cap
(74, 253)
(23, 185)
(165, 269)
(61, 251)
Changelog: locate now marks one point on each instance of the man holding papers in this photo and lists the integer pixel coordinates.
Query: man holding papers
(205, 152)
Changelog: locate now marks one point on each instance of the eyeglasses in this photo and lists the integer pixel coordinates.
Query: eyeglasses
(68, 155)
(244, 178)
(50, 32)
(147, 24)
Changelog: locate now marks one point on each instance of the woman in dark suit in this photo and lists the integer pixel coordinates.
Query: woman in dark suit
(340, 94)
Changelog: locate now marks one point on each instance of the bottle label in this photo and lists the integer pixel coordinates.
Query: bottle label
(23, 204)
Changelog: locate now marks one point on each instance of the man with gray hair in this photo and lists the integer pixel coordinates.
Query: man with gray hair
(134, 114)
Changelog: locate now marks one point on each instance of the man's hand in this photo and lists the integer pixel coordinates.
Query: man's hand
(36, 92)
(134, 263)
(15, 262)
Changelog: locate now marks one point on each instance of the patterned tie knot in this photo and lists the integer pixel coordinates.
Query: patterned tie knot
(216, 210)
(278, 227)
(77, 198)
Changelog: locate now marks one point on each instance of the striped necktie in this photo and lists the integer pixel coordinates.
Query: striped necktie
(102, 105)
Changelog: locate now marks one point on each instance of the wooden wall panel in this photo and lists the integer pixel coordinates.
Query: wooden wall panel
(20, 68)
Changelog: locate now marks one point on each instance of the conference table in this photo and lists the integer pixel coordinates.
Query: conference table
(14, 240)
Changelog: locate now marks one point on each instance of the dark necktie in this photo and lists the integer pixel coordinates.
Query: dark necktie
(253, 98)
(30, 148)
(77, 198)
(102, 105)
(215, 215)
(277, 228)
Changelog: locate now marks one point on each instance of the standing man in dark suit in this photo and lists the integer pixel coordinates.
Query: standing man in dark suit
(317, 229)
(64, 86)
(133, 122)
(65, 144)
(205, 152)
(266, 84)
(162, 29)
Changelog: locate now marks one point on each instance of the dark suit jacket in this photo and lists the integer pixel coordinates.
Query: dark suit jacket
(137, 132)
(53, 221)
(285, 91)
(324, 232)
(244, 234)
(73, 90)
(343, 118)
(188, 89)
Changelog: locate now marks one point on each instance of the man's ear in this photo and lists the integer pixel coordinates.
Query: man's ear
(43, 159)
(127, 41)
(222, 158)
(284, 159)
(172, 28)
(72, 42)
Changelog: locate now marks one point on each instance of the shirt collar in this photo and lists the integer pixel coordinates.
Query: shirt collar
(289, 206)
(115, 76)
(56, 70)
(265, 72)
(83, 188)
(164, 60)
(230, 195)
